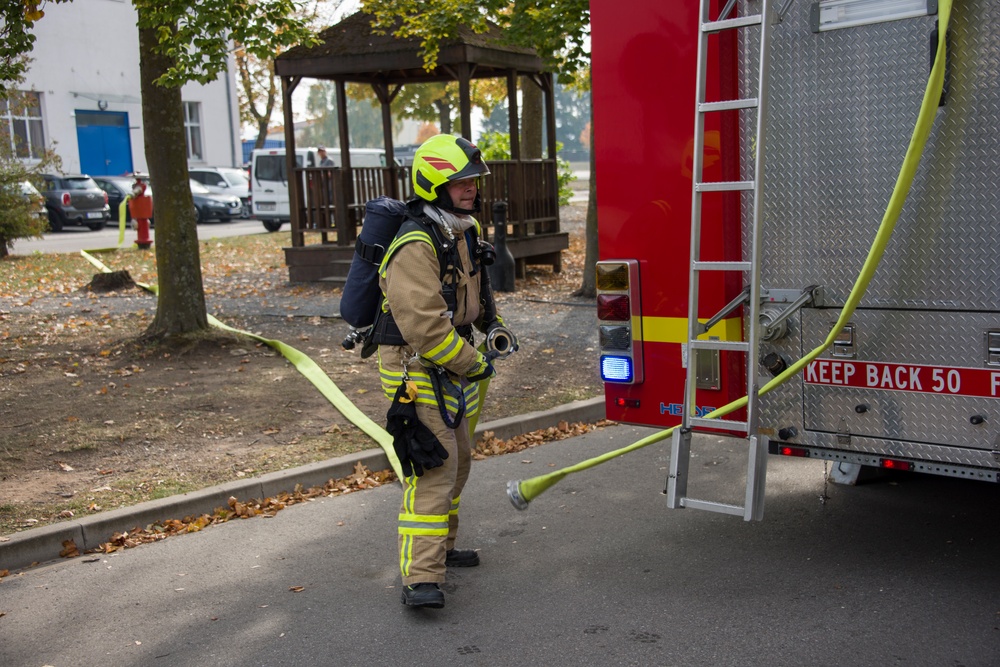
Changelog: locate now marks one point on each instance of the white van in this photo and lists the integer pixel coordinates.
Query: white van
(269, 178)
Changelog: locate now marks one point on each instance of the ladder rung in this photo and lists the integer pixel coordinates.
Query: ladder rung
(722, 508)
(729, 24)
(723, 186)
(749, 103)
(733, 345)
(724, 424)
(722, 266)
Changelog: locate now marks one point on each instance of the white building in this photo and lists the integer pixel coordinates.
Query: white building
(84, 79)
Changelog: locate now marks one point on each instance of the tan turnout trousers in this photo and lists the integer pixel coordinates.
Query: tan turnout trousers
(428, 516)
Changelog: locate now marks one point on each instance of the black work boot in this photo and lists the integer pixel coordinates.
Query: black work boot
(461, 558)
(423, 595)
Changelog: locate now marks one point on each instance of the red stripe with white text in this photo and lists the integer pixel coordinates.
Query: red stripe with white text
(947, 380)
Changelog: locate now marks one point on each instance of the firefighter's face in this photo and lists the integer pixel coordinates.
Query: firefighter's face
(463, 192)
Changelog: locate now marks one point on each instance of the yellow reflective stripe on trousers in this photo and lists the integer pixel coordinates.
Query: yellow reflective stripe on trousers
(423, 524)
(454, 506)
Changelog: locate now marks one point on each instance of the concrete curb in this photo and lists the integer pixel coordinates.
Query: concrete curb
(39, 545)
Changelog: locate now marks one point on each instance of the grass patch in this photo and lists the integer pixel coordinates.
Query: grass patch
(52, 274)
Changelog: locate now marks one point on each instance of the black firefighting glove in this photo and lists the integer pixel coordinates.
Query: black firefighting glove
(482, 369)
(416, 447)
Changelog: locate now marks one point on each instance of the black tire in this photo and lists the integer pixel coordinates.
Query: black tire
(198, 217)
(272, 225)
(56, 220)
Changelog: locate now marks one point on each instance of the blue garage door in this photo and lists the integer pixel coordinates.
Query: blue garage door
(105, 146)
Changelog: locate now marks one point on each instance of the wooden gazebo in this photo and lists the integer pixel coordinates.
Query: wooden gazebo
(327, 203)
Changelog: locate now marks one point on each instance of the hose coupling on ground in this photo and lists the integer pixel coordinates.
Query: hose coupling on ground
(514, 493)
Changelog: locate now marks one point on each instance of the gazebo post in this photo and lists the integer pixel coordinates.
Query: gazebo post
(515, 183)
(385, 98)
(288, 84)
(464, 101)
(344, 225)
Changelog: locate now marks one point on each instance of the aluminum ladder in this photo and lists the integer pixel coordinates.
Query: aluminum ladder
(680, 453)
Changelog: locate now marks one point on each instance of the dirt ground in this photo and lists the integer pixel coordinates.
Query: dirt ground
(90, 420)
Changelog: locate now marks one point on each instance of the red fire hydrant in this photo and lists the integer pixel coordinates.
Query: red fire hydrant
(140, 205)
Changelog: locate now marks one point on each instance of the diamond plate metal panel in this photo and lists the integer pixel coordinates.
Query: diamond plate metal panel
(842, 109)
(843, 105)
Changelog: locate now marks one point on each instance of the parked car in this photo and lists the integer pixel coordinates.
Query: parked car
(117, 188)
(75, 200)
(225, 181)
(209, 206)
(269, 178)
(31, 193)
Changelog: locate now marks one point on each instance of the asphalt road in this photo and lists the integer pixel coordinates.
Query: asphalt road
(74, 239)
(596, 572)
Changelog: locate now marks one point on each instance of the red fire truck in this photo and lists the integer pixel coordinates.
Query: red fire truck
(751, 164)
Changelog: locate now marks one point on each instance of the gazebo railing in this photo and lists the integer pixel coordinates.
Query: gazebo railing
(332, 205)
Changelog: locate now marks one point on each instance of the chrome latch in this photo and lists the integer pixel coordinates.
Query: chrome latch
(843, 344)
(993, 348)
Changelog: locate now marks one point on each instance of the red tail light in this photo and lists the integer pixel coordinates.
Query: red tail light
(66, 199)
(895, 464)
(785, 450)
(614, 307)
(105, 197)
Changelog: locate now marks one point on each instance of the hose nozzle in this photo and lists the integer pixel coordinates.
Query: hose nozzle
(514, 493)
(501, 341)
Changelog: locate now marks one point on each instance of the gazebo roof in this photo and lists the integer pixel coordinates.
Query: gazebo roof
(350, 50)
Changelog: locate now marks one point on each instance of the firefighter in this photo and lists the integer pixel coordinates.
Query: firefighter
(432, 281)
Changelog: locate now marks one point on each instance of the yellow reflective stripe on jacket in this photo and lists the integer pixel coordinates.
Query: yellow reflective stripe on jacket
(415, 235)
(471, 399)
(423, 524)
(446, 350)
(425, 390)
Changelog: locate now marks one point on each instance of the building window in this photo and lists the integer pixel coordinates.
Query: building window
(21, 124)
(192, 130)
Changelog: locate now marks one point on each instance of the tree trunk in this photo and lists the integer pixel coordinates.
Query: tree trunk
(180, 306)
(444, 116)
(532, 120)
(588, 287)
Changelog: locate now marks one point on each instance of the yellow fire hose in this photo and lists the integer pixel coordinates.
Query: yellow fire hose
(312, 372)
(524, 491)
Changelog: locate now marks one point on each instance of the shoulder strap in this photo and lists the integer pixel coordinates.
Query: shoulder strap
(420, 229)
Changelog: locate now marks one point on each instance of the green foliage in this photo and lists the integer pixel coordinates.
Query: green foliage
(19, 212)
(19, 217)
(197, 35)
(559, 30)
(496, 146)
(364, 119)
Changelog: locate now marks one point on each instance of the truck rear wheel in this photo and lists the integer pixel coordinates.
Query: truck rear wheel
(272, 225)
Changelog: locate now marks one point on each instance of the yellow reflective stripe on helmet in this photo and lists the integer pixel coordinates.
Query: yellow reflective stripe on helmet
(446, 350)
(423, 524)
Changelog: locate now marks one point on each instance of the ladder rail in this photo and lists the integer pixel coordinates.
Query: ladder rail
(757, 444)
(697, 168)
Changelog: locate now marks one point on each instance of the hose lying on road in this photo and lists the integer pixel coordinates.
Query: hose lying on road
(523, 492)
